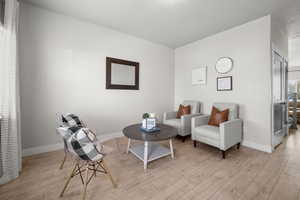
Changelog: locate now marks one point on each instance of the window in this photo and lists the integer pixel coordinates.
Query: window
(292, 86)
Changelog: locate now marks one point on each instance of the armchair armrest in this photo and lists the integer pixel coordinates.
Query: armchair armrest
(186, 123)
(190, 116)
(186, 119)
(200, 120)
(230, 133)
(169, 115)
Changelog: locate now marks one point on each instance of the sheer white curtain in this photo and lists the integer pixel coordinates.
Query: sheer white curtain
(10, 148)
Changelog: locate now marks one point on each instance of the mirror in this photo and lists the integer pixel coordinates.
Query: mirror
(122, 74)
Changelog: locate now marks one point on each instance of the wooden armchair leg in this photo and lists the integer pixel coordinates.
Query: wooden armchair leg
(195, 143)
(102, 163)
(223, 154)
(183, 138)
(68, 181)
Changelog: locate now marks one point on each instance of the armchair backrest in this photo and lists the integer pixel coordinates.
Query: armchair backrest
(233, 109)
(195, 106)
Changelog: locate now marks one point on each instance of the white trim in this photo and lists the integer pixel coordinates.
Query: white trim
(260, 147)
(58, 146)
(41, 149)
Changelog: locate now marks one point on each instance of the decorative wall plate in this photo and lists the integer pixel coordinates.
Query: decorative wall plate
(224, 65)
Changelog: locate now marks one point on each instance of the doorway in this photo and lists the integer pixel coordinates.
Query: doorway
(280, 118)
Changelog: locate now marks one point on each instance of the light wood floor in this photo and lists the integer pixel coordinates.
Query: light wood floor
(193, 174)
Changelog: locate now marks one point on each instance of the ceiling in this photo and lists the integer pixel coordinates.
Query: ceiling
(175, 22)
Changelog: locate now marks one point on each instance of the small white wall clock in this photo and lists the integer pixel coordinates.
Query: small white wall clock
(224, 65)
(199, 76)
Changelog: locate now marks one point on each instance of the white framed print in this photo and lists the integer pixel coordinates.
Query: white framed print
(199, 76)
(224, 83)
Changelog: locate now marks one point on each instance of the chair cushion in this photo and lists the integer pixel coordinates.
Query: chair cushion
(183, 110)
(173, 122)
(66, 132)
(208, 131)
(71, 120)
(217, 116)
(81, 142)
(233, 109)
(84, 146)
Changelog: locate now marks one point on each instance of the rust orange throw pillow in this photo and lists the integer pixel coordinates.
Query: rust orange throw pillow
(183, 110)
(217, 117)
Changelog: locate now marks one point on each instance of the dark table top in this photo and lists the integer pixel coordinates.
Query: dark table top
(166, 132)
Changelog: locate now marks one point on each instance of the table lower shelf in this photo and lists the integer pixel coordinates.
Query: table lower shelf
(155, 151)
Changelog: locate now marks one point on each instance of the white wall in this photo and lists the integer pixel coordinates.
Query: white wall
(294, 73)
(62, 64)
(294, 52)
(249, 46)
(279, 37)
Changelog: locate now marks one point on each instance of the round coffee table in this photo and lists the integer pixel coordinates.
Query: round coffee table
(150, 150)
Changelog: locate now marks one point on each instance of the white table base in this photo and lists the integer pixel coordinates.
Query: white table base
(150, 151)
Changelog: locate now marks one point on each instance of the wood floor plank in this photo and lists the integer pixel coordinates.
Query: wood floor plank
(195, 173)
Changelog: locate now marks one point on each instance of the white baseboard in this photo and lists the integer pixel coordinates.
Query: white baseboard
(58, 146)
(260, 147)
(42, 149)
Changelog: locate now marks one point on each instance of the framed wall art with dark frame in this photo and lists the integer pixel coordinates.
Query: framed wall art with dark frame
(122, 74)
(224, 83)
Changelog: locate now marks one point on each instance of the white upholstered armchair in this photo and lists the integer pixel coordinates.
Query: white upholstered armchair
(182, 124)
(223, 137)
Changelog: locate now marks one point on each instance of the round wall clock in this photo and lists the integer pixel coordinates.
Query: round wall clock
(224, 65)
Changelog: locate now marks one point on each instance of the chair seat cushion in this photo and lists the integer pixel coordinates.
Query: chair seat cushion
(173, 122)
(208, 131)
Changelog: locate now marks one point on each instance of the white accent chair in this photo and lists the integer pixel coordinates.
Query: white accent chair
(223, 137)
(183, 124)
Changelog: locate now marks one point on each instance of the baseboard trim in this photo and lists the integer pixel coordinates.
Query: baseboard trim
(58, 146)
(260, 147)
